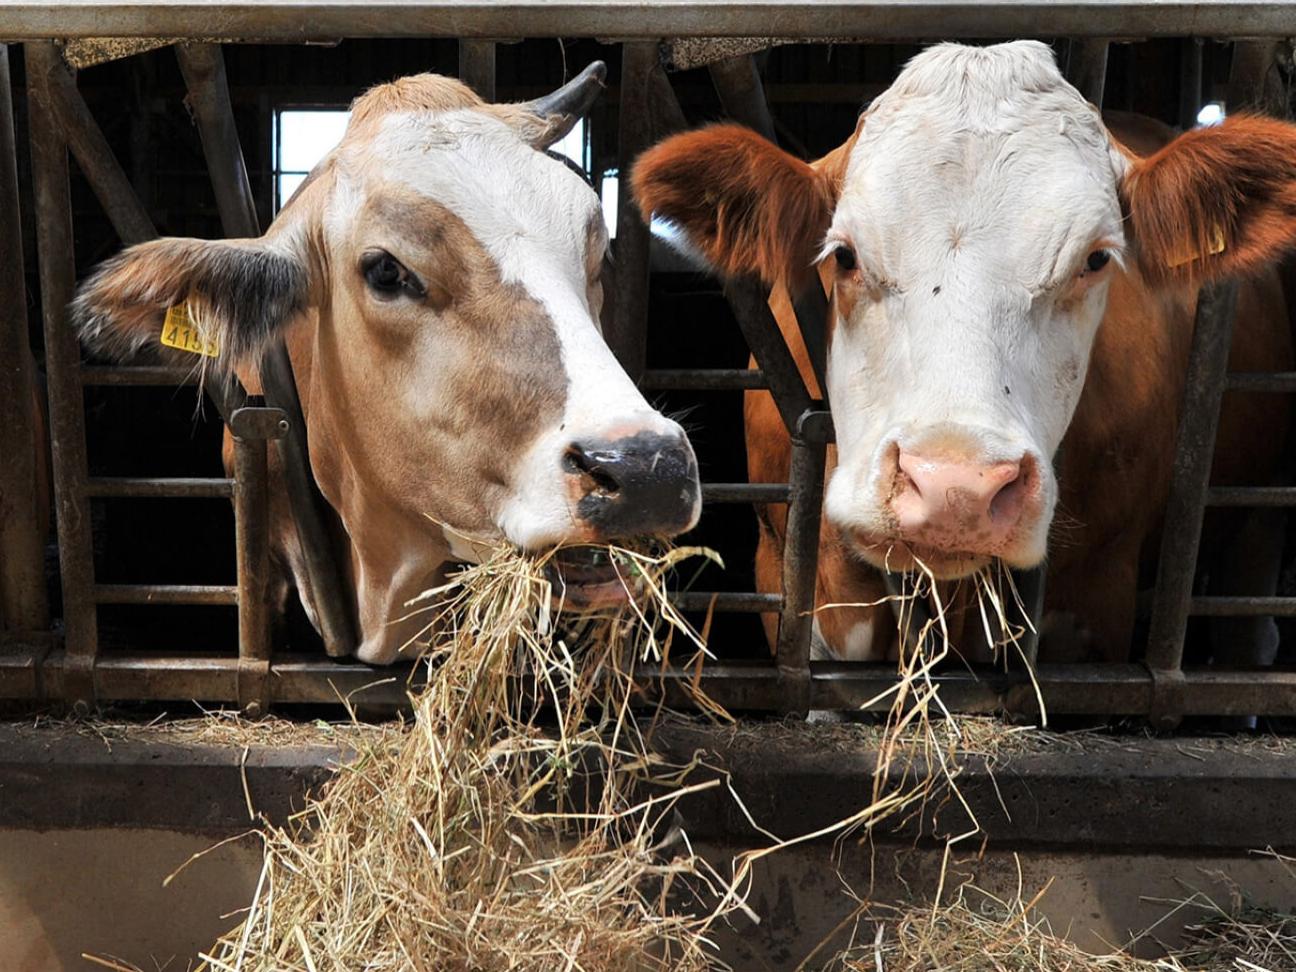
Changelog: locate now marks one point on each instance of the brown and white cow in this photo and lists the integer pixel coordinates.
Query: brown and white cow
(437, 281)
(1008, 275)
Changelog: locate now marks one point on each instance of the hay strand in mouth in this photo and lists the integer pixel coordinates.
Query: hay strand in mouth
(520, 822)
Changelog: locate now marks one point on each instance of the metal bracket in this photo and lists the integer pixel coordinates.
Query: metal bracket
(1166, 697)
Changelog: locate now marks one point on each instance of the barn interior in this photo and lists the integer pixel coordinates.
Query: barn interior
(1123, 826)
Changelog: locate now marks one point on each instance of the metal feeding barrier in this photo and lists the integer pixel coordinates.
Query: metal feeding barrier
(34, 664)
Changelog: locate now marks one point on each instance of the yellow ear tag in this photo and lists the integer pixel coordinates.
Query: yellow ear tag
(1183, 256)
(179, 331)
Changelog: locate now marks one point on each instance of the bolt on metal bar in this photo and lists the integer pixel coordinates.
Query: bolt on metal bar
(165, 594)
(50, 180)
(702, 379)
(871, 20)
(477, 66)
(251, 427)
(122, 487)
(203, 67)
(23, 605)
(800, 573)
(1194, 448)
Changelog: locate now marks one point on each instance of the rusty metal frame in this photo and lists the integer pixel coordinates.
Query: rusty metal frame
(259, 677)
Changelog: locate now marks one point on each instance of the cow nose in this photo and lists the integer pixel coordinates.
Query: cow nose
(643, 484)
(959, 504)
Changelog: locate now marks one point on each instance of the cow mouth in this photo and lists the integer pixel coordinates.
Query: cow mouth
(899, 556)
(586, 578)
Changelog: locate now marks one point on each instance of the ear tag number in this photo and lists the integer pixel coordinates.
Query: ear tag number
(1217, 245)
(179, 331)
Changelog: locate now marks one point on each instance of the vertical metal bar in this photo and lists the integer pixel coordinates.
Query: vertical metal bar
(62, 356)
(629, 337)
(1249, 78)
(800, 572)
(1190, 81)
(737, 81)
(93, 153)
(750, 306)
(1194, 448)
(477, 66)
(1087, 67)
(251, 427)
(203, 67)
(23, 604)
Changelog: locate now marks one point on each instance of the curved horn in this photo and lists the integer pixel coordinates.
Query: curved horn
(573, 99)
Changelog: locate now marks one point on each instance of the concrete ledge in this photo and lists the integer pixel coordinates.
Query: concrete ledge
(1214, 796)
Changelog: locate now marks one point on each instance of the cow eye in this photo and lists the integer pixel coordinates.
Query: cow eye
(845, 257)
(1097, 260)
(387, 277)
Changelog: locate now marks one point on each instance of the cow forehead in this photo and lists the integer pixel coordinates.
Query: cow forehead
(981, 139)
(478, 167)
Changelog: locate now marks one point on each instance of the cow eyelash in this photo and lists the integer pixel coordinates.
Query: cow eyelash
(1096, 262)
(845, 257)
(388, 277)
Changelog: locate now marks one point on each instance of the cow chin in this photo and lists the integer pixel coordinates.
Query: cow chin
(899, 555)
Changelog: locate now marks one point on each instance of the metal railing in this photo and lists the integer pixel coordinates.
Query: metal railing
(76, 671)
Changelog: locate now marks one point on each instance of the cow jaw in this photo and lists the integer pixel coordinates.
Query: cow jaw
(965, 309)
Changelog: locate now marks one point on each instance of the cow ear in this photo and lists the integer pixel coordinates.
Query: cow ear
(745, 204)
(232, 296)
(1215, 202)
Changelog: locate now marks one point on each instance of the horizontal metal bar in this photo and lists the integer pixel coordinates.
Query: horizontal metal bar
(191, 488)
(1262, 381)
(703, 379)
(745, 492)
(1243, 606)
(303, 20)
(159, 375)
(165, 594)
(728, 602)
(1251, 496)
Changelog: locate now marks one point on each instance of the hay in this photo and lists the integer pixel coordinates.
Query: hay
(482, 838)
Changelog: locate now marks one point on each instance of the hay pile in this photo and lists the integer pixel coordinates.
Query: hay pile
(487, 836)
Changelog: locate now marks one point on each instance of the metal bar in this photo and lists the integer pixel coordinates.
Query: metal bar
(1249, 78)
(800, 574)
(1243, 606)
(1087, 67)
(1190, 81)
(477, 66)
(702, 379)
(628, 338)
(165, 594)
(738, 83)
(93, 154)
(179, 488)
(1251, 496)
(751, 308)
(728, 602)
(1194, 447)
(23, 518)
(62, 358)
(746, 492)
(811, 310)
(162, 376)
(203, 67)
(875, 20)
(1276, 382)
(252, 550)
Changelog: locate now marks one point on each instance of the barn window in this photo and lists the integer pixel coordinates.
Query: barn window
(301, 138)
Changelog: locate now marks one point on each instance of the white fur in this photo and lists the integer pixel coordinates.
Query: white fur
(981, 172)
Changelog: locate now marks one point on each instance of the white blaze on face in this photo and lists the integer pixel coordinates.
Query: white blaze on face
(980, 184)
(543, 227)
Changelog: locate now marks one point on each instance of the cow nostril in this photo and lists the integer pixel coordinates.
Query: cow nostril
(579, 463)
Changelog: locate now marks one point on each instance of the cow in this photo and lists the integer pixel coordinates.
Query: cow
(437, 283)
(1012, 284)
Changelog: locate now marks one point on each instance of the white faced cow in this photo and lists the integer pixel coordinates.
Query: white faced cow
(1006, 273)
(437, 280)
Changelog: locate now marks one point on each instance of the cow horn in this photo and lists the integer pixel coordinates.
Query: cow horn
(572, 100)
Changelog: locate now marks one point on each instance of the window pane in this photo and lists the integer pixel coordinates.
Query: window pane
(287, 186)
(608, 190)
(572, 144)
(305, 137)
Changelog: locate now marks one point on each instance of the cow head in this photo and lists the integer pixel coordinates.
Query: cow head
(969, 230)
(438, 280)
